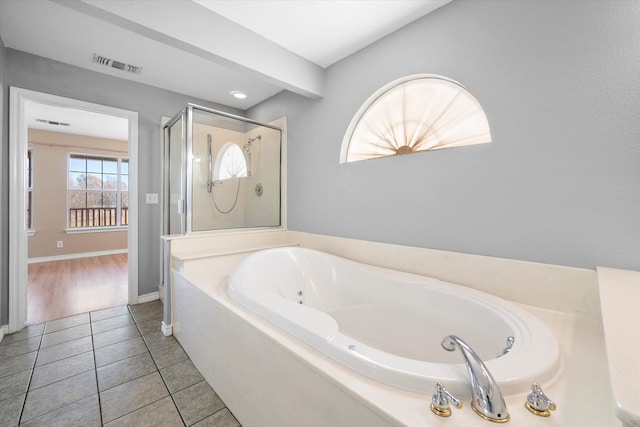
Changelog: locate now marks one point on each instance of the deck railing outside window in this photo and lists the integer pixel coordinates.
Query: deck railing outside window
(97, 217)
(97, 191)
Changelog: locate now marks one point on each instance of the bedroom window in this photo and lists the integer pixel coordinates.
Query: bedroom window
(30, 190)
(415, 113)
(97, 192)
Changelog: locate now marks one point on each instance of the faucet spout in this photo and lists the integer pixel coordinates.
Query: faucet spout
(486, 400)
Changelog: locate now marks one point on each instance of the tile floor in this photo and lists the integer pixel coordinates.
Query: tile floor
(111, 367)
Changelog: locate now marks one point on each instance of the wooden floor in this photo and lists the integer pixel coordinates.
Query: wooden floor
(62, 288)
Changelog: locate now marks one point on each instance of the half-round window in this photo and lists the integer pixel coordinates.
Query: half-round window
(230, 162)
(415, 113)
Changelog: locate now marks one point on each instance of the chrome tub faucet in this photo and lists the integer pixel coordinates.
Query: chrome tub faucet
(486, 397)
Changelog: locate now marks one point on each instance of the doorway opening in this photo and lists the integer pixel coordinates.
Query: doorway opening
(106, 206)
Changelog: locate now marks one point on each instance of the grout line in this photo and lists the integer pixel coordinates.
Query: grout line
(95, 371)
(33, 368)
(163, 380)
(222, 409)
(37, 388)
(159, 374)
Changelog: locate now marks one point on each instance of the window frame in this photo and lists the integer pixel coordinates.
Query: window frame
(352, 146)
(220, 166)
(29, 202)
(118, 191)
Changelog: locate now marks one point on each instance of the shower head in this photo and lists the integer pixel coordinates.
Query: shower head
(250, 141)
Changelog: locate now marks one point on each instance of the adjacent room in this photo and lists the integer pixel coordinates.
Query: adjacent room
(77, 214)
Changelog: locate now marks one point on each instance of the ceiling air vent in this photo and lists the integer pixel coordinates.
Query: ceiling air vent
(108, 62)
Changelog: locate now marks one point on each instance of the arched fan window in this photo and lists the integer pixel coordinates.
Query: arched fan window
(230, 162)
(415, 113)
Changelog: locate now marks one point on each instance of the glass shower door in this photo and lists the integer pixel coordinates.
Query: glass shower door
(175, 179)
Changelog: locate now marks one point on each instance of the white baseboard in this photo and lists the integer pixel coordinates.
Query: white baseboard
(166, 329)
(76, 256)
(4, 330)
(148, 297)
(161, 292)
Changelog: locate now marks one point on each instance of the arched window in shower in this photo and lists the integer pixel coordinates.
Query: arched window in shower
(230, 162)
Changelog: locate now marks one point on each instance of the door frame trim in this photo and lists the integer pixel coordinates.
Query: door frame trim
(18, 239)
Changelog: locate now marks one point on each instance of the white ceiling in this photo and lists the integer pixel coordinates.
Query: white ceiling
(206, 48)
(323, 31)
(77, 122)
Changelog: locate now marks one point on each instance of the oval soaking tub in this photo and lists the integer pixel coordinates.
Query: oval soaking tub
(388, 325)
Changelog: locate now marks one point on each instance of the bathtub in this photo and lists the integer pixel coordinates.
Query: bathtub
(388, 325)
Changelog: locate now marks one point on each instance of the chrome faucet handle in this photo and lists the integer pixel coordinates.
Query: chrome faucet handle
(509, 346)
(538, 403)
(440, 401)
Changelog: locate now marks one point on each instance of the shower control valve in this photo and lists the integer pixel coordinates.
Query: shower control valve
(440, 401)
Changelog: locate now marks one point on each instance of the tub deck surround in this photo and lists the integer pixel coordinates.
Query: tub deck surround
(566, 289)
(620, 298)
(186, 252)
(268, 377)
(194, 252)
(389, 325)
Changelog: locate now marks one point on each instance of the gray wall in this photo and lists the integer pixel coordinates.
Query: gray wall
(43, 75)
(559, 184)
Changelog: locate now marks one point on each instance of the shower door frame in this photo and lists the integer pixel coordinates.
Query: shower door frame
(186, 115)
(166, 178)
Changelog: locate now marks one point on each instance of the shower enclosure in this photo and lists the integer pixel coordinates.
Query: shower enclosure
(221, 171)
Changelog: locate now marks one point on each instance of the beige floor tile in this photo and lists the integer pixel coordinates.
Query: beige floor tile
(64, 350)
(125, 370)
(111, 323)
(180, 376)
(64, 335)
(157, 339)
(122, 350)
(28, 332)
(147, 311)
(83, 413)
(16, 364)
(67, 322)
(14, 384)
(10, 410)
(222, 418)
(115, 335)
(17, 348)
(149, 327)
(132, 395)
(108, 312)
(61, 369)
(54, 396)
(168, 355)
(162, 413)
(197, 402)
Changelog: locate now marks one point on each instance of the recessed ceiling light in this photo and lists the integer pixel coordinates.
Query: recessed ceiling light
(239, 94)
